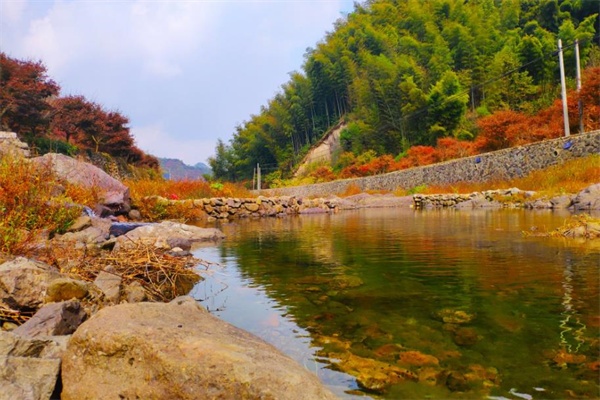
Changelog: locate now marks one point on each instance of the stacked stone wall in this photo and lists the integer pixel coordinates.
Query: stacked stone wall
(224, 208)
(510, 163)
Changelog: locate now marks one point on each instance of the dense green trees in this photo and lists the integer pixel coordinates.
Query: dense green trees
(410, 72)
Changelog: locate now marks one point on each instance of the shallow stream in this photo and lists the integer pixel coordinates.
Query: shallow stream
(394, 303)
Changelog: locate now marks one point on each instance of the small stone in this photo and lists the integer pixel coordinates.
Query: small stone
(135, 215)
(135, 293)
(110, 284)
(62, 289)
(80, 223)
(465, 337)
(457, 382)
(9, 326)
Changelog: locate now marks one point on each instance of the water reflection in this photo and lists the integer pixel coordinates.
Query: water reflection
(417, 304)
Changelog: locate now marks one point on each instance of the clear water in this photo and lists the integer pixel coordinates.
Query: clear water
(394, 303)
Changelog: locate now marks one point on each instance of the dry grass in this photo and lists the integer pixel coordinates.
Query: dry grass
(30, 205)
(145, 193)
(580, 225)
(162, 275)
(570, 177)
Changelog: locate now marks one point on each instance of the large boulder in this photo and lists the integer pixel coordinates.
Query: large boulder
(163, 234)
(29, 367)
(177, 350)
(588, 198)
(113, 194)
(24, 282)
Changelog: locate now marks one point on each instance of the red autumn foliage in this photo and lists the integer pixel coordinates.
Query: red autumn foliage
(323, 174)
(590, 97)
(449, 148)
(89, 126)
(24, 88)
(508, 128)
(421, 155)
(29, 107)
(496, 129)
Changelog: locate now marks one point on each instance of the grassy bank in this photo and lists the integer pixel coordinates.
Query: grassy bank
(570, 177)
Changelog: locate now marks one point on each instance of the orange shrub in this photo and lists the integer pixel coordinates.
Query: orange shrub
(497, 130)
(449, 148)
(323, 174)
(590, 96)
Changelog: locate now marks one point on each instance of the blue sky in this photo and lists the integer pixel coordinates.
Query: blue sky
(185, 72)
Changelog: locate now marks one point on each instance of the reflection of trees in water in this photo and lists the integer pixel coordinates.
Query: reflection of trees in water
(572, 329)
(415, 265)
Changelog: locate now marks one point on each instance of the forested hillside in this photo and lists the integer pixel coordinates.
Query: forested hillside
(407, 74)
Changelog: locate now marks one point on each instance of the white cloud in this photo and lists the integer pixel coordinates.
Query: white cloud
(11, 11)
(155, 140)
(155, 36)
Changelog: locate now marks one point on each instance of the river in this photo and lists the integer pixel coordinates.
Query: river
(396, 303)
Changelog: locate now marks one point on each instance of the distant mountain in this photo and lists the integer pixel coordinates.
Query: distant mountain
(175, 169)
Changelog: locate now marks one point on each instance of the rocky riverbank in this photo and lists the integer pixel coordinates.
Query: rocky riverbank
(99, 313)
(96, 324)
(586, 200)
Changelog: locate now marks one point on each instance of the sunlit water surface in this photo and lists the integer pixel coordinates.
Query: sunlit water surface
(404, 304)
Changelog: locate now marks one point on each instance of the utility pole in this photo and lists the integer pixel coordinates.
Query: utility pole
(580, 103)
(258, 176)
(563, 88)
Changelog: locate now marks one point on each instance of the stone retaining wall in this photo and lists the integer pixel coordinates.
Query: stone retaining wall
(231, 208)
(510, 163)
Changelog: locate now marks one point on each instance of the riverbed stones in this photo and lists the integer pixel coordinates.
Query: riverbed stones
(177, 350)
(456, 317)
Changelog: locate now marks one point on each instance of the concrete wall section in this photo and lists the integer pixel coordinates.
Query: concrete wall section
(510, 163)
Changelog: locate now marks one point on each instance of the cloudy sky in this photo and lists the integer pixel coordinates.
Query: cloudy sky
(185, 72)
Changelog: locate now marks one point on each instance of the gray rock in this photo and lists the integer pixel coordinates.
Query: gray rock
(27, 378)
(66, 289)
(13, 345)
(177, 351)
(10, 144)
(113, 193)
(110, 284)
(467, 205)
(540, 204)
(54, 319)
(135, 293)
(29, 367)
(120, 228)
(561, 202)
(588, 198)
(182, 243)
(24, 282)
(90, 235)
(135, 215)
(80, 223)
(158, 235)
